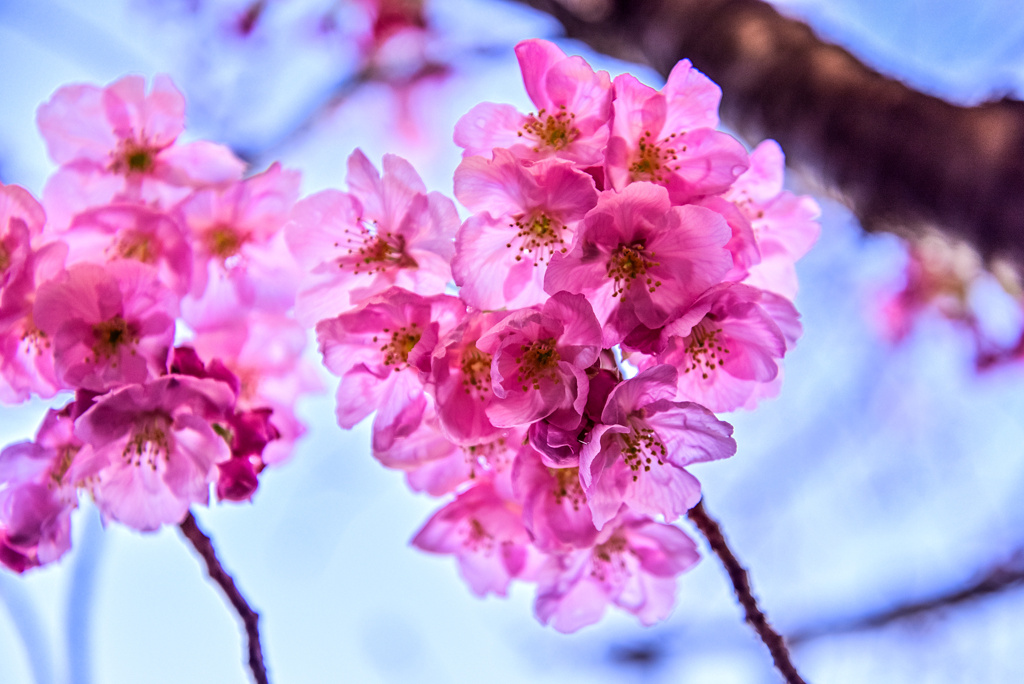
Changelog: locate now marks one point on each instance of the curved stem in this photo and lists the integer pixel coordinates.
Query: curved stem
(741, 585)
(250, 618)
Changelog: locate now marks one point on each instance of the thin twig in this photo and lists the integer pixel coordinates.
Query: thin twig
(250, 618)
(741, 585)
(1004, 577)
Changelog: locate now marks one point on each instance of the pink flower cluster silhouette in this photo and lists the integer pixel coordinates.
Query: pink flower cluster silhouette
(142, 241)
(626, 270)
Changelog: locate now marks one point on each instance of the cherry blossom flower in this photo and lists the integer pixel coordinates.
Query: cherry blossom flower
(108, 326)
(667, 137)
(639, 260)
(382, 352)
(638, 454)
(785, 225)
(555, 509)
(387, 232)
(573, 111)
(132, 232)
(119, 142)
(728, 347)
(233, 228)
(150, 450)
(633, 564)
(37, 496)
(539, 358)
(486, 535)
(525, 212)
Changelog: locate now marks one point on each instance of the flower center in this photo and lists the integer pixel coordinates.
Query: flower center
(396, 349)
(537, 360)
(149, 442)
(373, 252)
(609, 565)
(641, 448)
(629, 262)
(654, 159)
(110, 336)
(138, 246)
(567, 486)
(704, 345)
(540, 236)
(555, 130)
(65, 455)
(488, 456)
(476, 371)
(478, 539)
(5, 259)
(224, 241)
(134, 158)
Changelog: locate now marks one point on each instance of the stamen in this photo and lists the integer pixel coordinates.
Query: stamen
(396, 350)
(374, 252)
(540, 236)
(567, 486)
(109, 336)
(224, 241)
(654, 160)
(537, 360)
(138, 246)
(476, 371)
(554, 131)
(704, 345)
(641, 448)
(134, 158)
(149, 443)
(629, 262)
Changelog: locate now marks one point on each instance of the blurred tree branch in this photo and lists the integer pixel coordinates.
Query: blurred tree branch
(904, 161)
(1001, 578)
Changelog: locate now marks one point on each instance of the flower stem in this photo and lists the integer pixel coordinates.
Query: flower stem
(250, 618)
(741, 585)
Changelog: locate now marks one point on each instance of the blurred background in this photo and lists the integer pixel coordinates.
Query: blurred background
(886, 473)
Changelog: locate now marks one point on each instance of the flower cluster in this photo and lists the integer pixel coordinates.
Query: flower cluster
(626, 271)
(143, 240)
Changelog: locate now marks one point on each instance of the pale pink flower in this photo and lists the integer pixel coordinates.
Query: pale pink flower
(382, 353)
(266, 353)
(573, 111)
(387, 231)
(640, 260)
(539, 358)
(21, 220)
(132, 232)
(119, 142)
(234, 226)
(36, 496)
(668, 137)
(108, 326)
(26, 351)
(555, 509)
(485, 533)
(438, 466)
(150, 450)
(729, 346)
(633, 565)
(785, 225)
(638, 454)
(523, 213)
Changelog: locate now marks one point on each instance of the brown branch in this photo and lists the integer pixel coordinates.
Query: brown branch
(903, 160)
(741, 585)
(250, 618)
(1004, 577)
